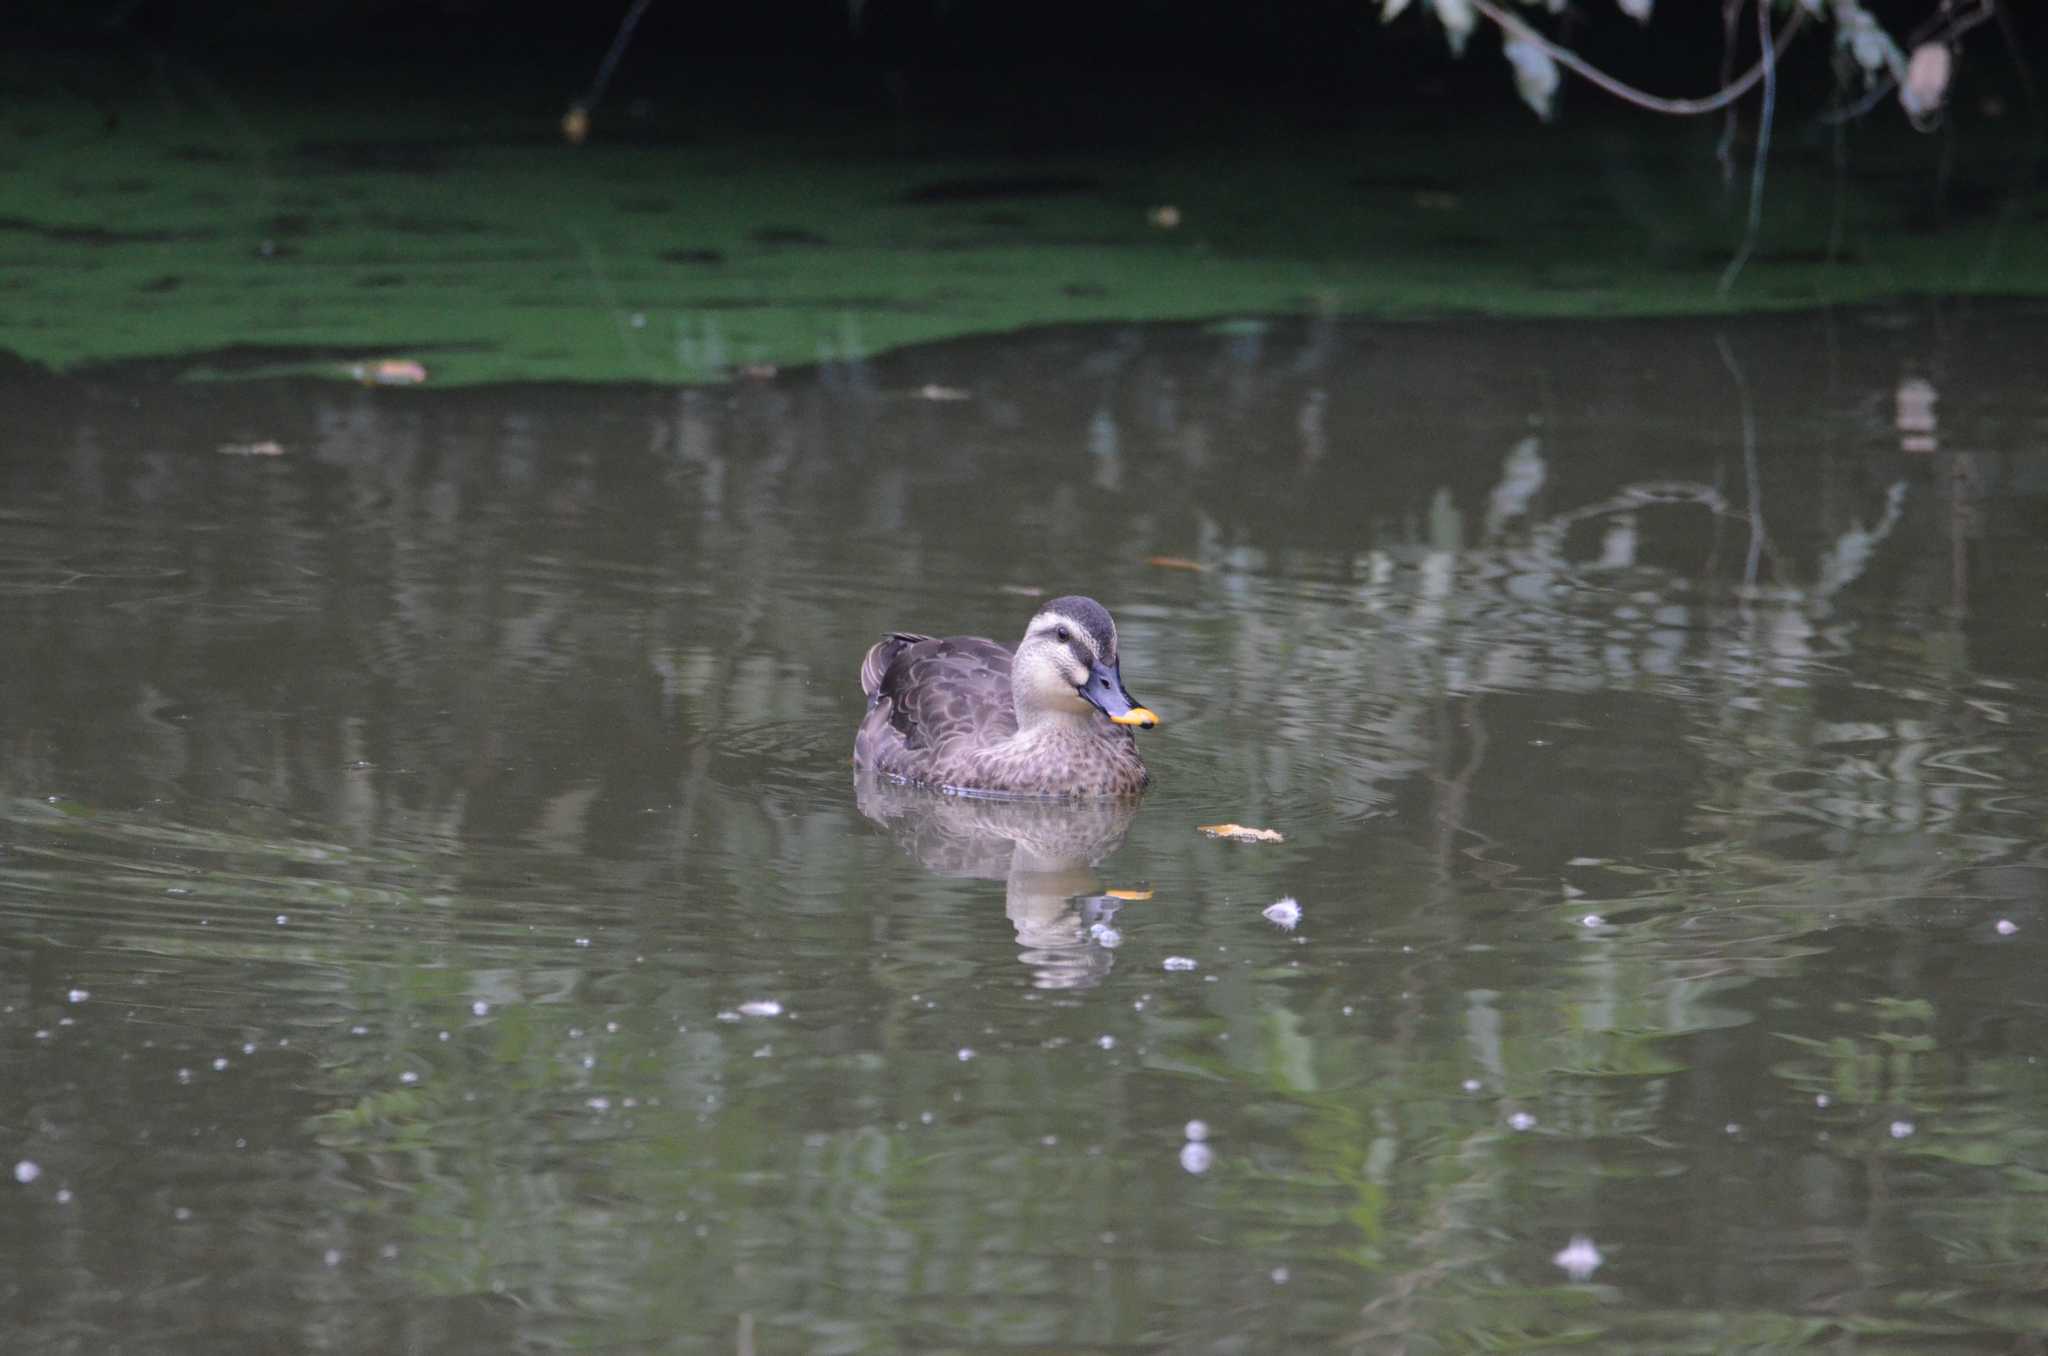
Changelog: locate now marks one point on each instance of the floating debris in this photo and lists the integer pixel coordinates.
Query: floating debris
(268, 447)
(388, 372)
(1241, 833)
(760, 1007)
(1579, 1258)
(1521, 1120)
(1179, 963)
(1177, 563)
(1283, 913)
(2005, 927)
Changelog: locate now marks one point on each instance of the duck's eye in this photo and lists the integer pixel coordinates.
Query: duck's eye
(1062, 636)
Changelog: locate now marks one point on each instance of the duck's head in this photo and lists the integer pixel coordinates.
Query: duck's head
(1066, 666)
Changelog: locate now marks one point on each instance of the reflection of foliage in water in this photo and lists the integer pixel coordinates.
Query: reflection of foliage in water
(530, 714)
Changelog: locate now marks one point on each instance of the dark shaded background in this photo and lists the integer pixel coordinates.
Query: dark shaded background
(1060, 72)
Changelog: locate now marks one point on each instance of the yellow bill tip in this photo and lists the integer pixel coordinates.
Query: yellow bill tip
(1137, 716)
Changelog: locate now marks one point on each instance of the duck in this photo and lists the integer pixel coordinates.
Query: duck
(967, 716)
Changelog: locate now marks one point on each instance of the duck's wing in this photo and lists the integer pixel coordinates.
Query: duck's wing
(880, 656)
(942, 689)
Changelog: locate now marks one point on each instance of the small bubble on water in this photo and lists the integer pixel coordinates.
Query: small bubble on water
(2006, 927)
(184, 1075)
(220, 1063)
(332, 1257)
(479, 1008)
(283, 919)
(248, 1047)
(583, 941)
(1196, 1131)
(1280, 1275)
(925, 1118)
(1521, 1120)
(1178, 963)
(1196, 1158)
(1821, 1099)
(77, 995)
(409, 1077)
(182, 1213)
(1049, 1141)
(26, 1171)
(1902, 1129)
(1471, 1085)
(1591, 920)
(359, 1030)
(442, 1036)
(1107, 1042)
(598, 1103)
(1106, 936)
(965, 1054)
(761, 1007)
(63, 1195)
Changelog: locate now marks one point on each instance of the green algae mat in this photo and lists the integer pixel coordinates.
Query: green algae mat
(212, 233)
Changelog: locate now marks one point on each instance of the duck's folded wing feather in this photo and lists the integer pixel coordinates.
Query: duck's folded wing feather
(941, 689)
(880, 656)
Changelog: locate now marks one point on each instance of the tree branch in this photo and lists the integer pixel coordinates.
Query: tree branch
(1585, 70)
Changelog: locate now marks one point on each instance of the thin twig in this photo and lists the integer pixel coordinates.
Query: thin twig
(1585, 70)
(1763, 153)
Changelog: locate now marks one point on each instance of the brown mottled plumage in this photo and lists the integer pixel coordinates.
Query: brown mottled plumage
(966, 715)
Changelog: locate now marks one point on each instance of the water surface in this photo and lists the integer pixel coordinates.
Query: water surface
(437, 912)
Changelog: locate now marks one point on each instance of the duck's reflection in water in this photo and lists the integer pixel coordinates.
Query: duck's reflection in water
(1044, 852)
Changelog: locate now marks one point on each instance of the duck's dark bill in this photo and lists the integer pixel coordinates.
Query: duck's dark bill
(1105, 689)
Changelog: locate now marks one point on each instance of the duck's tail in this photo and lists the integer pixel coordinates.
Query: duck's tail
(881, 657)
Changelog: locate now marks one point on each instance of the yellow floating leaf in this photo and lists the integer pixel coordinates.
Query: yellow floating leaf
(1176, 563)
(1129, 894)
(389, 372)
(1240, 833)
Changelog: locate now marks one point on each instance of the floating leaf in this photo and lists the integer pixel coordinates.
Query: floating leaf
(389, 372)
(1240, 833)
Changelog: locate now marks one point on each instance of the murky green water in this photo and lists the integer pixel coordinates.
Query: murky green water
(437, 913)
